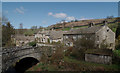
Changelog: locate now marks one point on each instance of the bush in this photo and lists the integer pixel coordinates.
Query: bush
(117, 46)
(78, 54)
(58, 55)
(116, 57)
(85, 43)
(80, 46)
(33, 44)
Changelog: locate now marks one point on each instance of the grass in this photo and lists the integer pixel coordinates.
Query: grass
(66, 29)
(30, 32)
(81, 27)
(89, 64)
(79, 65)
(41, 66)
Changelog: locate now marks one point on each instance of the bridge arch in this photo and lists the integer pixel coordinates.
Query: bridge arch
(25, 63)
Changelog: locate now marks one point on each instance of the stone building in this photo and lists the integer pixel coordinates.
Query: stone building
(103, 56)
(42, 36)
(21, 40)
(99, 34)
(50, 36)
(56, 36)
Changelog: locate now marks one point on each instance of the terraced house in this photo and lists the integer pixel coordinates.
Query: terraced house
(50, 36)
(99, 34)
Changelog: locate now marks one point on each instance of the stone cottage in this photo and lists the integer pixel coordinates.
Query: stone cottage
(21, 40)
(50, 36)
(103, 56)
(100, 34)
(42, 36)
(56, 36)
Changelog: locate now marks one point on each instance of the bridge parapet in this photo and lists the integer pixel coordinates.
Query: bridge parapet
(12, 55)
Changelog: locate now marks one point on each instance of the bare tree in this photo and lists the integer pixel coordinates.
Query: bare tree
(85, 43)
(21, 26)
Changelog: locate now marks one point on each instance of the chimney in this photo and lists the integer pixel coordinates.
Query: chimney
(91, 24)
(43, 29)
(105, 22)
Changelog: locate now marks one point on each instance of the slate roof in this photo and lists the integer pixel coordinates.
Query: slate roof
(93, 29)
(24, 38)
(43, 32)
(54, 35)
(100, 51)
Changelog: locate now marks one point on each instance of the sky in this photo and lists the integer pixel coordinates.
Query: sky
(48, 13)
(60, 0)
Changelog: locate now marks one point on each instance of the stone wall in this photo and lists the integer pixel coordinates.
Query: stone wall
(97, 58)
(107, 36)
(10, 57)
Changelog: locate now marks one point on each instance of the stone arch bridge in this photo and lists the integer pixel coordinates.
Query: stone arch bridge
(11, 56)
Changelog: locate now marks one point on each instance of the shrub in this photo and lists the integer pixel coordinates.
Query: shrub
(33, 44)
(58, 55)
(117, 46)
(78, 54)
(80, 46)
(75, 53)
(85, 43)
(116, 57)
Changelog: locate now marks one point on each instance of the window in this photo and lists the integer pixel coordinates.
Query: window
(111, 44)
(106, 37)
(107, 30)
(42, 40)
(97, 38)
(66, 37)
(74, 37)
(79, 36)
(97, 45)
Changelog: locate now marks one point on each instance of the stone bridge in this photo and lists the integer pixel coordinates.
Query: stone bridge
(11, 57)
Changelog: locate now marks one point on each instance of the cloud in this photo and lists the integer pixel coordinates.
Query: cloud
(85, 18)
(70, 18)
(20, 10)
(58, 15)
(62, 16)
(50, 13)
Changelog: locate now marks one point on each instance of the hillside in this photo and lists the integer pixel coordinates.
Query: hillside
(112, 23)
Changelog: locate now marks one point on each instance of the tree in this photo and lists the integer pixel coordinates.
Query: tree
(34, 27)
(118, 30)
(7, 32)
(84, 42)
(40, 27)
(76, 20)
(110, 17)
(21, 26)
(20, 30)
(80, 46)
